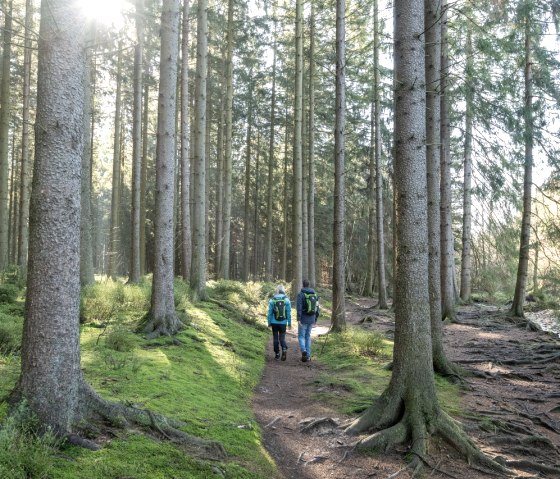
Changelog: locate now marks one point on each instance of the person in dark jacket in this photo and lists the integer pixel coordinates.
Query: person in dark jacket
(279, 317)
(306, 319)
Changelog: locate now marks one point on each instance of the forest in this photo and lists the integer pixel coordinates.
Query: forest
(167, 167)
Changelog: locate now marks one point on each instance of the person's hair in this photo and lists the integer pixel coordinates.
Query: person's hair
(280, 289)
(306, 283)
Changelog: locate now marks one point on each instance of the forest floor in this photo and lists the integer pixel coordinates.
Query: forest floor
(510, 402)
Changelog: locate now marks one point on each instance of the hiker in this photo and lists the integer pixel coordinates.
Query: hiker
(279, 316)
(307, 314)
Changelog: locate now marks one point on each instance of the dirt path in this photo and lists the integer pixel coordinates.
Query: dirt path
(515, 387)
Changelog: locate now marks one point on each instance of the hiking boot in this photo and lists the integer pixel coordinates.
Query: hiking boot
(304, 357)
(277, 356)
(283, 355)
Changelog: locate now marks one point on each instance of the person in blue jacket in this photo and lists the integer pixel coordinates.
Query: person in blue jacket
(307, 314)
(279, 317)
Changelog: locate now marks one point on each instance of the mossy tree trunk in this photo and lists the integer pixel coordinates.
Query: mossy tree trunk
(408, 410)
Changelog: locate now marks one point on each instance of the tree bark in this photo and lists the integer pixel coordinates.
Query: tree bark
(23, 233)
(5, 136)
(134, 274)
(198, 274)
(143, 179)
(225, 262)
(86, 241)
(466, 251)
(378, 166)
(246, 206)
(115, 189)
(186, 236)
(311, 159)
(433, 163)
(525, 236)
(338, 319)
(447, 250)
(271, 158)
(50, 371)
(162, 318)
(297, 233)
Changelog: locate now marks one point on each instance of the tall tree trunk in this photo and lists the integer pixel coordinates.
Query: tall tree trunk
(338, 320)
(4, 136)
(23, 233)
(220, 174)
(115, 197)
(134, 275)
(256, 211)
(304, 196)
(14, 204)
(297, 234)
(408, 410)
(186, 237)
(525, 236)
(246, 206)
(371, 252)
(225, 262)
(198, 275)
(466, 251)
(50, 359)
(378, 168)
(143, 179)
(433, 165)
(311, 159)
(284, 263)
(86, 218)
(162, 318)
(271, 162)
(447, 250)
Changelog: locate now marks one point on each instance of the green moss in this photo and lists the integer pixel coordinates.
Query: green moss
(207, 382)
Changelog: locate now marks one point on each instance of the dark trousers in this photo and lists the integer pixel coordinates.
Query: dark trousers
(279, 337)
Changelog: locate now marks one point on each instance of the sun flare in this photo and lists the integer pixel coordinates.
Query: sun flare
(107, 12)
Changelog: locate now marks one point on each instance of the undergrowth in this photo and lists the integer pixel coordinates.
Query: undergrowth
(205, 379)
(357, 371)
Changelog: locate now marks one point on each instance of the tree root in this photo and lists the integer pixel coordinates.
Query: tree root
(154, 327)
(533, 466)
(94, 408)
(395, 427)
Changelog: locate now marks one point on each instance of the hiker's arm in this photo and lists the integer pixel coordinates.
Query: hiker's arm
(289, 313)
(270, 312)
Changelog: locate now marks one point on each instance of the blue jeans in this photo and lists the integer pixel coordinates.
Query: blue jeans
(304, 338)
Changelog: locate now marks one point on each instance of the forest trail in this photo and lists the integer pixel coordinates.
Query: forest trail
(511, 403)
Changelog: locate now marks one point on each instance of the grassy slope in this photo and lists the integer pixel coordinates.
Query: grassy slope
(207, 382)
